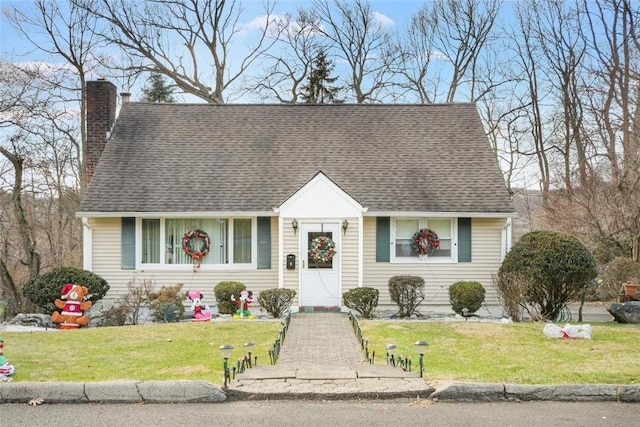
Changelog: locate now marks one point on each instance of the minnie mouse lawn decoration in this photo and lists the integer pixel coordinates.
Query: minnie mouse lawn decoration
(200, 310)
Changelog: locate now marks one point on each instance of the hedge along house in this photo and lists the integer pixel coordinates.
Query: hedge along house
(264, 181)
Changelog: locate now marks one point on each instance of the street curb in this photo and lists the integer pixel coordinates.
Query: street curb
(113, 392)
(489, 392)
(205, 392)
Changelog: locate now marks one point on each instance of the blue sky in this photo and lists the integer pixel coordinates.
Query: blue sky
(398, 11)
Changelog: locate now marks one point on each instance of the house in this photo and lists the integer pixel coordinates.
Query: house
(263, 181)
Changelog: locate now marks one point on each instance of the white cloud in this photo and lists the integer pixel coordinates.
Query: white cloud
(437, 55)
(383, 20)
(259, 22)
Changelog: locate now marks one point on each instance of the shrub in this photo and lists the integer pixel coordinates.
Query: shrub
(223, 292)
(167, 303)
(408, 293)
(469, 295)
(616, 272)
(554, 269)
(511, 296)
(276, 301)
(127, 309)
(116, 315)
(363, 300)
(45, 289)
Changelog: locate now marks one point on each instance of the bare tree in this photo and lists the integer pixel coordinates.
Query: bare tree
(413, 63)
(288, 63)
(361, 41)
(614, 106)
(188, 41)
(69, 35)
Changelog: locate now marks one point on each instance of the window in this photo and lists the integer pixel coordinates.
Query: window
(232, 240)
(405, 228)
(312, 262)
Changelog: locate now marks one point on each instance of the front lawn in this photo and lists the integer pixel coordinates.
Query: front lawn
(458, 351)
(517, 353)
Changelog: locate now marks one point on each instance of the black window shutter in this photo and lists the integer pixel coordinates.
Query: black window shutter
(464, 239)
(383, 239)
(264, 242)
(128, 243)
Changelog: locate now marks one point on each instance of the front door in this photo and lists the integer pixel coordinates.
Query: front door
(319, 281)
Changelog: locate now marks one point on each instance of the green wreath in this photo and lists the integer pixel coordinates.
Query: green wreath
(189, 241)
(323, 249)
(424, 241)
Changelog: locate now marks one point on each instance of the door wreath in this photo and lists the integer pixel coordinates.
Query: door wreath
(189, 245)
(425, 241)
(323, 249)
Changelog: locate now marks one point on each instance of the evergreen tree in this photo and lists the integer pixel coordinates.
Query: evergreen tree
(157, 90)
(318, 89)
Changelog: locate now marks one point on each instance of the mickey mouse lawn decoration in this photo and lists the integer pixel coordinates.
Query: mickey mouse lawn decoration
(246, 298)
(200, 310)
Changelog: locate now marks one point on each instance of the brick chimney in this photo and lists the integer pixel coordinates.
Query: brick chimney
(101, 115)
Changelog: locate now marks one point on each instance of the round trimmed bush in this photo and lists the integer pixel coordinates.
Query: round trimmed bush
(276, 301)
(223, 292)
(408, 293)
(363, 300)
(469, 295)
(45, 289)
(548, 270)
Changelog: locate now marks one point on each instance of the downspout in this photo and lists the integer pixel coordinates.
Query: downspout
(87, 248)
(506, 238)
(360, 251)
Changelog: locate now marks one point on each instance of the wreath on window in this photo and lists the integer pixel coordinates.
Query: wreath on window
(323, 249)
(425, 241)
(190, 242)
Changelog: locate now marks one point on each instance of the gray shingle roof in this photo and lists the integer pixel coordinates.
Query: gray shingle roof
(224, 158)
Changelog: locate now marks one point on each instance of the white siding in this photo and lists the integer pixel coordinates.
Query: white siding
(106, 243)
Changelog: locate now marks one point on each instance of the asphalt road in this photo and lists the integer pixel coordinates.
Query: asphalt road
(324, 413)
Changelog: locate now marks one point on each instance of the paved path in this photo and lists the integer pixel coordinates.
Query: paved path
(321, 357)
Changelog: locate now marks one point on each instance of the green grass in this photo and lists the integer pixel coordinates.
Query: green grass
(146, 352)
(516, 353)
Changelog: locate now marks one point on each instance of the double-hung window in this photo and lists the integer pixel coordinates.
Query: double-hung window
(233, 241)
(404, 229)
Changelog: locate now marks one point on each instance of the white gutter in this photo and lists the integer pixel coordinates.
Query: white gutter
(400, 214)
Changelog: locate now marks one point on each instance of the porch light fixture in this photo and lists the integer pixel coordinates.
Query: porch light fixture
(294, 224)
(421, 348)
(345, 225)
(225, 352)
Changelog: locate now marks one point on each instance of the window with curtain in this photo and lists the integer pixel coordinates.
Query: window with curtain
(405, 228)
(150, 241)
(231, 240)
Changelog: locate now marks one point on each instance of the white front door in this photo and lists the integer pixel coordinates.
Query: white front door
(319, 281)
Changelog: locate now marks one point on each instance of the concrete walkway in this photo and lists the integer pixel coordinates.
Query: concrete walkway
(321, 357)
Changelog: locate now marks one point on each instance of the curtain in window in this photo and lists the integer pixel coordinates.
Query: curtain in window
(175, 229)
(150, 241)
(241, 241)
